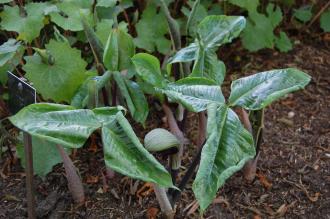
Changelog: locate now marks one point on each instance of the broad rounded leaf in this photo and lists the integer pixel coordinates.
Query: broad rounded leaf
(259, 90)
(63, 77)
(45, 156)
(193, 95)
(124, 153)
(151, 30)
(28, 26)
(60, 124)
(226, 150)
(8, 50)
(69, 16)
(148, 68)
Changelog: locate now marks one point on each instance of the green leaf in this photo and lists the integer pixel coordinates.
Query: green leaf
(259, 90)
(124, 153)
(60, 124)
(63, 77)
(118, 50)
(148, 68)
(283, 42)
(225, 152)
(186, 54)
(81, 97)
(304, 13)
(259, 31)
(103, 30)
(69, 15)
(195, 16)
(45, 156)
(216, 30)
(135, 99)
(8, 50)
(192, 94)
(5, 1)
(151, 30)
(325, 21)
(207, 65)
(106, 3)
(28, 26)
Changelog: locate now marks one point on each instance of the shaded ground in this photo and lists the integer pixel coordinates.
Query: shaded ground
(293, 173)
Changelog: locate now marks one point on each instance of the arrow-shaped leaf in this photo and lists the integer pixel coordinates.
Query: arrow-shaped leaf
(61, 124)
(259, 90)
(124, 153)
(226, 150)
(193, 94)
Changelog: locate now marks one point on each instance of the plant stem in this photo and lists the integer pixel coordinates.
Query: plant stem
(175, 159)
(163, 201)
(74, 182)
(255, 124)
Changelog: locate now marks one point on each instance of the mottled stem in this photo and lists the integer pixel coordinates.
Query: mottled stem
(74, 182)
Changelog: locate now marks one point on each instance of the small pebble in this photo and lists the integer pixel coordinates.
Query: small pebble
(291, 115)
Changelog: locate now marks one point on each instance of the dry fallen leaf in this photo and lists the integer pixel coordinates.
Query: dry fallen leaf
(92, 179)
(263, 180)
(152, 213)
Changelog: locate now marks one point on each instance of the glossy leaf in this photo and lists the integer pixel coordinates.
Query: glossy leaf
(148, 68)
(259, 90)
(187, 54)
(118, 50)
(134, 97)
(124, 153)
(60, 124)
(207, 65)
(193, 95)
(216, 30)
(226, 150)
(63, 77)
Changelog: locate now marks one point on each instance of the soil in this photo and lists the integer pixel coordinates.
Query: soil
(293, 175)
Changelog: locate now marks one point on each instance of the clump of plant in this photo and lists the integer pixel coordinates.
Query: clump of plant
(189, 80)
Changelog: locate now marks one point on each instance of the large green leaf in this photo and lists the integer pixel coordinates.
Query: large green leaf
(226, 150)
(118, 50)
(124, 153)
(28, 26)
(69, 15)
(60, 124)
(63, 77)
(259, 90)
(148, 68)
(213, 31)
(193, 93)
(216, 30)
(134, 97)
(45, 156)
(151, 30)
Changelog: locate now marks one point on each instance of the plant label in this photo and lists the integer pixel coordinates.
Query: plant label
(21, 94)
